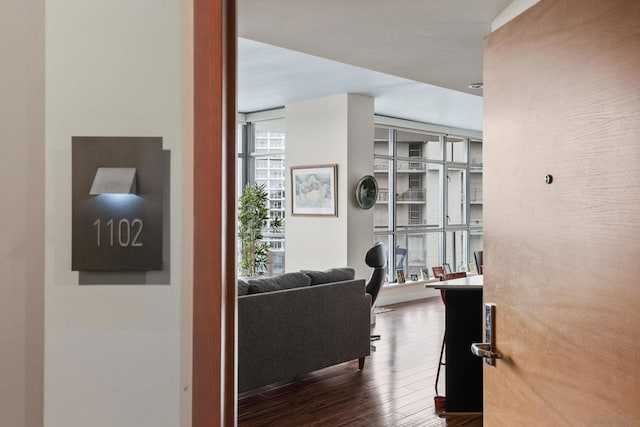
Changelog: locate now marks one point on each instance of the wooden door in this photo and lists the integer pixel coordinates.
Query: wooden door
(562, 260)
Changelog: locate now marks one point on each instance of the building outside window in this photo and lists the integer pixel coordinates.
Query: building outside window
(263, 141)
(430, 201)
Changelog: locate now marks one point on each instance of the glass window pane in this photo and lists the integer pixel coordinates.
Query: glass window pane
(276, 163)
(475, 214)
(240, 163)
(239, 133)
(239, 177)
(475, 242)
(381, 141)
(415, 252)
(419, 145)
(456, 149)
(381, 170)
(269, 136)
(269, 166)
(410, 199)
(276, 173)
(418, 195)
(381, 219)
(456, 203)
(275, 264)
(456, 253)
(475, 197)
(475, 152)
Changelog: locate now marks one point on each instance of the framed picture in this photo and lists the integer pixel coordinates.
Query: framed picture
(472, 267)
(437, 271)
(400, 274)
(313, 190)
(447, 268)
(425, 273)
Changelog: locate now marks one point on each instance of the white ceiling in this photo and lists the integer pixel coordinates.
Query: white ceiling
(401, 52)
(270, 76)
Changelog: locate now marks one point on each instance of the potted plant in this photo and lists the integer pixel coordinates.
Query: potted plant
(253, 217)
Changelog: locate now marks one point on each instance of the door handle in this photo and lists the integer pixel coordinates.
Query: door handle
(486, 349)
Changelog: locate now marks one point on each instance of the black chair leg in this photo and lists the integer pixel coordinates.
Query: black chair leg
(361, 363)
(440, 362)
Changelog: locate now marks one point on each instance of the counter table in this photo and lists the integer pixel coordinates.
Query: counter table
(463, 323)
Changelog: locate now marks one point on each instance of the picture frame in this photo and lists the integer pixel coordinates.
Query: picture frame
(447, 268)
(437, 271)
(425, 273)
(400, 275)
(472, 267)
(314, 190)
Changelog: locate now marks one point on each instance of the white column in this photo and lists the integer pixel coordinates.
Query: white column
(331, 130)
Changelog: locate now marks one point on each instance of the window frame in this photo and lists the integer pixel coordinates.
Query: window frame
(392, 234)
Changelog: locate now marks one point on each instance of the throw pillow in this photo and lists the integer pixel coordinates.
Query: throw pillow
(264, 284)
(276, 283)
(243, 287)
(331, 275)
(292, 280)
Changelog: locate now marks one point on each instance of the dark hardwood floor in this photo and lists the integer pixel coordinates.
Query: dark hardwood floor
(396, 387)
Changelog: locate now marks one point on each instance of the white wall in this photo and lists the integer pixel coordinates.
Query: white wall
(21, 212)
(331, 130)
(515, 8)
(117, 355)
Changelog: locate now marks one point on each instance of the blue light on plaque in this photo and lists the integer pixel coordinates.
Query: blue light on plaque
(118, 199)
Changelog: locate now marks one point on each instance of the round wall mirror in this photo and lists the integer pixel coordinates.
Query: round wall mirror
(367, 192)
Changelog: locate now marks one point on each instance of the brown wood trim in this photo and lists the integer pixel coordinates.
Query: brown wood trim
(214, 396)
(229, 196)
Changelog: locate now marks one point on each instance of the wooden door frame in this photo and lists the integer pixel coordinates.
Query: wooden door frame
(214, 297)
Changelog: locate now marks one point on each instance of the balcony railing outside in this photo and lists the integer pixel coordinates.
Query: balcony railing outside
(412, 195)
(382, 165)
(411, 166)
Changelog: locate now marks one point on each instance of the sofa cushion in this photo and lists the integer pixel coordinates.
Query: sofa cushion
(243, 287)
(276, 283)
(331, 275)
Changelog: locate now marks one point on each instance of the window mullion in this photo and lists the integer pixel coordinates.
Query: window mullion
(393, 224)
(444, 199)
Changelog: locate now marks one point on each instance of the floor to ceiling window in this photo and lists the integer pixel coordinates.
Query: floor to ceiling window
(261, 145)
(429, 207)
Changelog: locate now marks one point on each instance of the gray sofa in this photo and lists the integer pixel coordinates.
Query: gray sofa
(296, 323)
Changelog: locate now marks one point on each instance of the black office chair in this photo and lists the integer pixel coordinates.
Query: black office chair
(376, 258)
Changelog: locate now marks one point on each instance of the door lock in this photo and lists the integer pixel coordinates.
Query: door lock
(486, 349)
